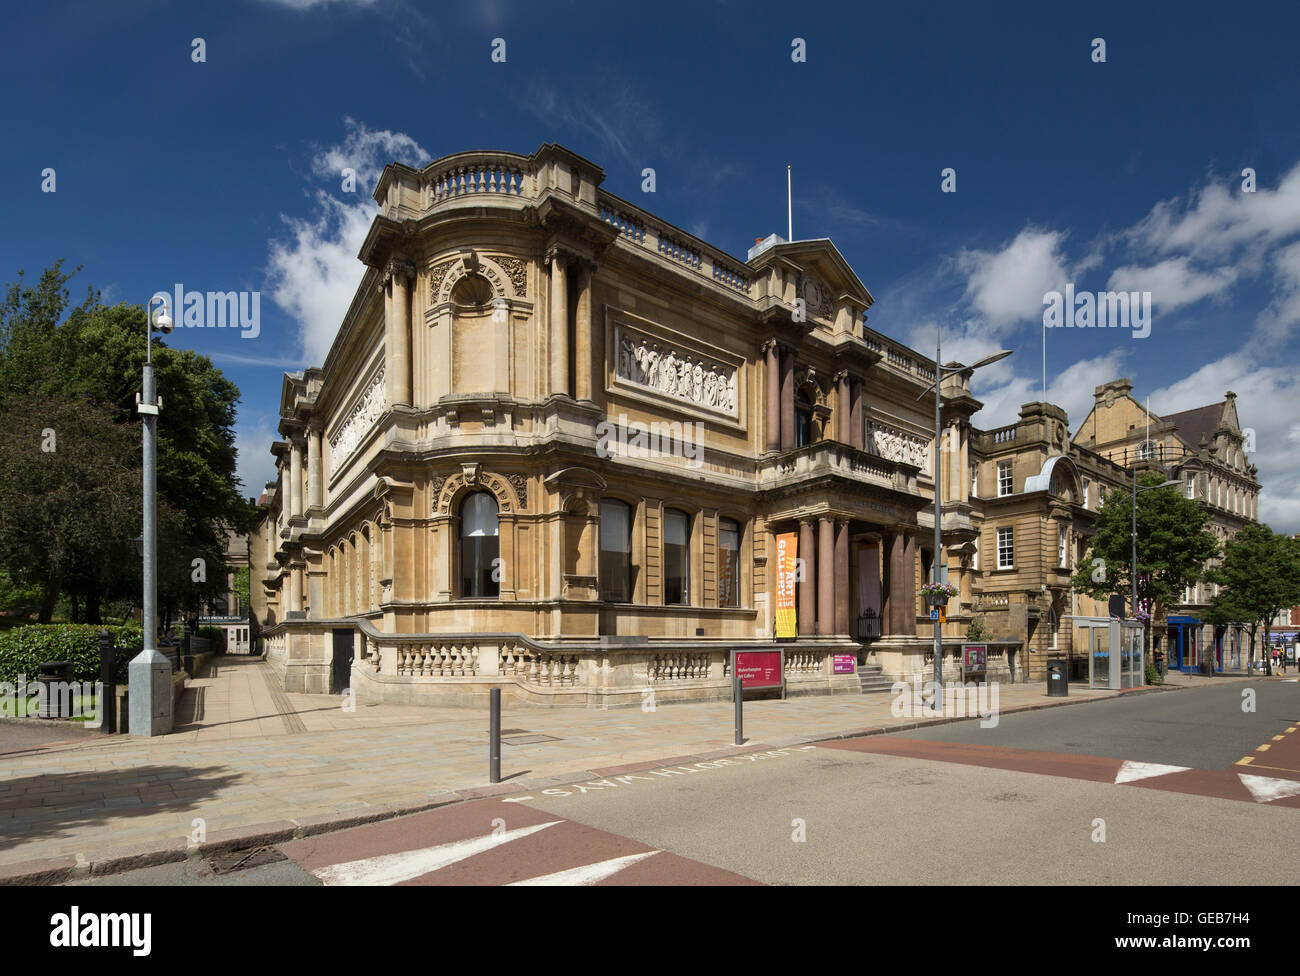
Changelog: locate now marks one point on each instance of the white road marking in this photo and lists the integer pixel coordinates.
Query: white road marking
(389, 869)
(588, 874)
(516, 799)
(1131, 771)
(1266, 788)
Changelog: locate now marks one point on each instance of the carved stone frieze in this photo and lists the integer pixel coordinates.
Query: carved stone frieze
(367, 409)
(675, 373)
(896, 445)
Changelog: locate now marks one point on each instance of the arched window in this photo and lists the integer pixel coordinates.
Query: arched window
(479, 546)
(803, 428)
(677, 557)
(728, 563)
(615, 551)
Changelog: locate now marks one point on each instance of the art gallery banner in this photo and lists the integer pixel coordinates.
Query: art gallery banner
(787, 548)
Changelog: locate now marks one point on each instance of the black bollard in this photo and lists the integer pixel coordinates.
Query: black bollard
(494, 737)
(107, 687)
(738, 695)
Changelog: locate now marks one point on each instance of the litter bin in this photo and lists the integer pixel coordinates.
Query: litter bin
(54, 696)
(1058, 678)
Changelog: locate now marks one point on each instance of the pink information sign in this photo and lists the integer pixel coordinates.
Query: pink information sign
(846, 663)
(759, 669)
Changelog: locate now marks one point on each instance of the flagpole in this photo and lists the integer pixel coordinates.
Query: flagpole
(789, 207)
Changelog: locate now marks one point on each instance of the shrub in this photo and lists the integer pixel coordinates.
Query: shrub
(23, 649)
(1153, 674)
(977, 631)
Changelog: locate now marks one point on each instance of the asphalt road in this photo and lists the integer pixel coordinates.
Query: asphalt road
(1205, 728)
(1034, 801)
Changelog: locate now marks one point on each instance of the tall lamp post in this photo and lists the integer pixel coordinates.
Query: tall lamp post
(941, 371)
(1133, 572)
(149, 672)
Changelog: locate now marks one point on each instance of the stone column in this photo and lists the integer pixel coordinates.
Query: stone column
(295, 476)
(842, 408)
(295, 587)
(772, 419)
(584, 367)
(559, 324)
(787, 399)
(807, 591)
(908, 588)
(825, 576)
(896, 602)
(855, 413)
(397, 367)
(315, 490)
(842, 576)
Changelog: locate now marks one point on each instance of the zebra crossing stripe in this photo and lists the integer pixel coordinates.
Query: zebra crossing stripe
(390, 869)
(588, 874)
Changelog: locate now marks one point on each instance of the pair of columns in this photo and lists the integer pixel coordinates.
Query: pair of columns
(560, 343)
(824, 592)
(780, 401)
(899, 611)
(315, 493)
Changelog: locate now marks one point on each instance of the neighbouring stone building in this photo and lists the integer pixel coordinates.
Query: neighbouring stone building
(558, 446)
(1204, 448)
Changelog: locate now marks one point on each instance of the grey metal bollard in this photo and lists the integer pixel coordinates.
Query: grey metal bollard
(107, 687)
(494, 736)
(738, 695)
(150, 702)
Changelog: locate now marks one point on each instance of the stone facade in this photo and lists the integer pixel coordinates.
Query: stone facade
(556, 439)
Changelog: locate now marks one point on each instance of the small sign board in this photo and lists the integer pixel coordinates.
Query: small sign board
(846, 663)
(974, 659)
(1115, 606)
(760, 669)
(940, 614)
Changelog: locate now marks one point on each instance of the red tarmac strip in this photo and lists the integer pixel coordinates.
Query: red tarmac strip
(487, 842)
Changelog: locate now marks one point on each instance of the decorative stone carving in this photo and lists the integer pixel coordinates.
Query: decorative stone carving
(816, 296)
(518, 274)
(397, 266)
(896, 445)
(368, 408)
(436, 274)
(675, 373)
(519, 483)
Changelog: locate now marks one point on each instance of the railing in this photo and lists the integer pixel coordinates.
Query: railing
(627, 225)
(678, 667)
(547, 669)
(487, 175)
(678, 251)
(868, 625)
(1003, 435)
(428, 660)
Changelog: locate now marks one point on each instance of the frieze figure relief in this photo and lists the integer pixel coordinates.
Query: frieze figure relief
(673, 373)
(368, 408)
(895, 445)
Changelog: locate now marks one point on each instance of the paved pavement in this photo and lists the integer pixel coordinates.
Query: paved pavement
(246, 758)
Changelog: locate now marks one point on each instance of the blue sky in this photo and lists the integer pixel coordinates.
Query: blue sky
(225, 175)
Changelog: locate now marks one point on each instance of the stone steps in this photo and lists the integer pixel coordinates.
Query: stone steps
(872, 681)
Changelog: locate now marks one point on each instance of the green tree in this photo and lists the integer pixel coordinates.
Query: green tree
(1259, 578)
(94, 356)
(1173, 547)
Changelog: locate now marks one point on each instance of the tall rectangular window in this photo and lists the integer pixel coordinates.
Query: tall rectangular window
(677, 557)
(974, 481)
(1062, 546)
(728, 564)
(615, 552)
(1006, 547)
(1191, 486)
(1004, 478)
(1087, 489)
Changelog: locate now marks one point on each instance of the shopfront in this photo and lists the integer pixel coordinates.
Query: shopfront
(1183, 646)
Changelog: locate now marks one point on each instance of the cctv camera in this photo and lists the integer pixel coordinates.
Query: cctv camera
(163, 323)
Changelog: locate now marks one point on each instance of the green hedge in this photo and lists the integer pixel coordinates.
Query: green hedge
(24, 648)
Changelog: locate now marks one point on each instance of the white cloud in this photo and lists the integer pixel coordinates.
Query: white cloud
(1222, 220)
(1283, 313)
(1172, 283)
(1266, 403)
(1071, 388)
(255, 463)
(313, 274)
(1006, 287)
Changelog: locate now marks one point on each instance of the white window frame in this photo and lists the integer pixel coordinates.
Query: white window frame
(1006, 484)
(1087, 492)
(1062, 547)
(1010, 545)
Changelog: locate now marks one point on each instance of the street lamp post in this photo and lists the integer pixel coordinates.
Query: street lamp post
(149, 672)
(1133, 572)
(940, 371)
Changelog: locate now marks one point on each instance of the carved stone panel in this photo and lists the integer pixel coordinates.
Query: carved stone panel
(675, 373)
(896, 445)
(367, 409)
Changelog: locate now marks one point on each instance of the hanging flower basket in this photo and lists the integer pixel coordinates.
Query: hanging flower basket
(938, 594)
